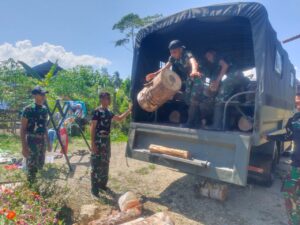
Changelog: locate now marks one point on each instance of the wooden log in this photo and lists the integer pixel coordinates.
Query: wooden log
(174, 116)
(245, 124)
(169, 151)
(118, 218)
(156, 219)
(129, 200)
(157, 92)
(214, 190)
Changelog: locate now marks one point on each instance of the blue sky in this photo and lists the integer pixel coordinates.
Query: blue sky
(85, 27)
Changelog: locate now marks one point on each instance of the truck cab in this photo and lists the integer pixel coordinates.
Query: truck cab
(243, 32)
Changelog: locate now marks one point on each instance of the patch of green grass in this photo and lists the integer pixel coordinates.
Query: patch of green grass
(118, 136)
(152, 167)
(142, 171)
(10, 143)
(145, 170)
(115, 183)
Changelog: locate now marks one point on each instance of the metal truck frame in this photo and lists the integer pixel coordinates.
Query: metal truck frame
(244, 31)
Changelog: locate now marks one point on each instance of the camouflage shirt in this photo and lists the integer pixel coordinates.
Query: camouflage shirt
(212, 70)
(182, 66)
(103, 117)
(292, 134)
(37, 118)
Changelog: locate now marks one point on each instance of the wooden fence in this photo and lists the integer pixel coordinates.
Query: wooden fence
(9, 121)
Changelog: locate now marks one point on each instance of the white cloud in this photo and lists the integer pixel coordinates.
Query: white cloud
(34, 55)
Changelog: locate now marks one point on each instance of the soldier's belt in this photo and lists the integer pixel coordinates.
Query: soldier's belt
(41, 136)
(104, 136)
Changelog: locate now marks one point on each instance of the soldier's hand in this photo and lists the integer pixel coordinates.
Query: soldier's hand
(130, 107)
(94, 149)
(195, 74)
(25, 152)
(214, 86)
(150, 76)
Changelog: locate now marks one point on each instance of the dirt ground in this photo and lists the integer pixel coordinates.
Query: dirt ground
(164, 189)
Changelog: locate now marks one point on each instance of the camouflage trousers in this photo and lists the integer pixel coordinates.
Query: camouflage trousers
(194, 90)
(100, 164)
(234, 83)
(227, 89)
(36, 158)
(291, 192)
(193, 97)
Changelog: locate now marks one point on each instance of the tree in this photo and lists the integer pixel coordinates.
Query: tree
(116, 80)
(129, 24)
(15, 86)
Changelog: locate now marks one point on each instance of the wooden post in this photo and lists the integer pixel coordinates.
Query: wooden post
(170, 151)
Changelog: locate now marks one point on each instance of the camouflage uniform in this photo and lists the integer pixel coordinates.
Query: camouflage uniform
(291, 185)
(36, 130)
(291, 193)
(191, 86)
(235, 82)
(100, 160)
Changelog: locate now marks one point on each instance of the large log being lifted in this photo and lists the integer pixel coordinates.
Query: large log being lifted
(157, 92)
(170, 151)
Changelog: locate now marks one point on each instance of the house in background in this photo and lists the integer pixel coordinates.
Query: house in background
(40, 71)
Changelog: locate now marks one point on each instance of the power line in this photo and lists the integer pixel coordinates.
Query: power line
(291, 39)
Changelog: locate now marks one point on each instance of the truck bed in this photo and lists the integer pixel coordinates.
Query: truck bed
(222, 156)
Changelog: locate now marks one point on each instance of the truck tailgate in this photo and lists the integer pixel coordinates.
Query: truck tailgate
(219, 155)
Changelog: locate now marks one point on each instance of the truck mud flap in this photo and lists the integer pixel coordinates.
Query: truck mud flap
(223, 156)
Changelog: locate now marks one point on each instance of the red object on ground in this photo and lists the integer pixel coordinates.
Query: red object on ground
(64, 139)
(11, 167)
(11, 215)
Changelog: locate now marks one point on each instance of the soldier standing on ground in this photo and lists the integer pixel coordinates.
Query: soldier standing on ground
(100, 138)
(185, 65)
(291, 185)
(34, 133)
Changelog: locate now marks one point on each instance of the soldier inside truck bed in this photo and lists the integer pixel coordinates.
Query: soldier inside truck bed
(185, 65)
(215, 67)
(203, 103)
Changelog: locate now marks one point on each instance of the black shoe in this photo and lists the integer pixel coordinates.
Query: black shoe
(95, 196)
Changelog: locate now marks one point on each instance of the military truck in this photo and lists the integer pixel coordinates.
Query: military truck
(243, 31)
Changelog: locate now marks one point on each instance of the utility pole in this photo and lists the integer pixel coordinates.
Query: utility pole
(291, 39)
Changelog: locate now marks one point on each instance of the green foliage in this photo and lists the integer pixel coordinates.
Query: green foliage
(15, 86)
(10, 143)
(45, 82)
(41, 203)
(80, 83)
(130, 24)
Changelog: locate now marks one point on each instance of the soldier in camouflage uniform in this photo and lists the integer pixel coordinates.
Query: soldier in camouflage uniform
(214, 68)
(291, 185)
(100, 138)
(34, 132)
(185, 65)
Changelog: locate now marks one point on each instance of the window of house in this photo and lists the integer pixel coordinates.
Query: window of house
(278, 63)
(292, 83)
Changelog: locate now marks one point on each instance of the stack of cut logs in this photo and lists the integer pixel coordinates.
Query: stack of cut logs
(130, 212)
